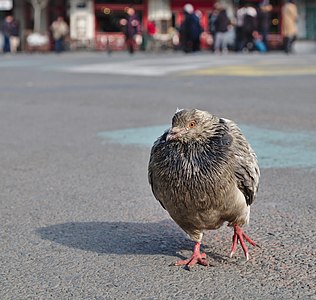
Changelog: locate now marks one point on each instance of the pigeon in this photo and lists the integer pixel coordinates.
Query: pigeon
(204, 173)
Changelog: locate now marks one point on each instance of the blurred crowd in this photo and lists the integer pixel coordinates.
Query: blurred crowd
(247, 30)
(244, 31)
(10, 30)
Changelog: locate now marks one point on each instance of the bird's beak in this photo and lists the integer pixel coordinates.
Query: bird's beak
(175, 133)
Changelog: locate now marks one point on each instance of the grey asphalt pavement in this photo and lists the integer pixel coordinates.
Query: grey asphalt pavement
(77, 216)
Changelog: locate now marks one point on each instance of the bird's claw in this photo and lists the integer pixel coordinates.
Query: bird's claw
(240, 236)
(196, 258)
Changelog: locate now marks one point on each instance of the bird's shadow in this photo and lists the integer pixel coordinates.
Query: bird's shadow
(119, 237)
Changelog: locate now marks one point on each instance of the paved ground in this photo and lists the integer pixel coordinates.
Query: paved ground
(78, 220)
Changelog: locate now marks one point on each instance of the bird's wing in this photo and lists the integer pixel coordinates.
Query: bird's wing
(246, 170)
(158, 143)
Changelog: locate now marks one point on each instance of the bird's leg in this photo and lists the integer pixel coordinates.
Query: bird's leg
(240, 236)
(197, 257)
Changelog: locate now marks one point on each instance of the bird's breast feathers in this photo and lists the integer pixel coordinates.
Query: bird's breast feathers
(193, 168)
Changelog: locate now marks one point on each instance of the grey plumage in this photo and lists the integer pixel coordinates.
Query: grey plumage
(204, 173)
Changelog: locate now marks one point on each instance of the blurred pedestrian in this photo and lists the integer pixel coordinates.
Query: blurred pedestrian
(264, 11)
(15, 36)
(197, 30)
(289, 25)
(190, 30)
(151, 31)
(211, 24)
(221, 27)
(6, 28)
(59, 30)
(239, 40)
(132, 28)
(249, 27)
(246, 25)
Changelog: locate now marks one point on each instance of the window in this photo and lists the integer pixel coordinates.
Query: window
(275, 22)
(109, 21)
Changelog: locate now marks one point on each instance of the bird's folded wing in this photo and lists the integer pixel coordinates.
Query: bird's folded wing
(246, 169)
(158, 143)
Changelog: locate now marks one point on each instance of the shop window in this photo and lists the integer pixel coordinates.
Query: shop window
(109, 21)
(275, 23)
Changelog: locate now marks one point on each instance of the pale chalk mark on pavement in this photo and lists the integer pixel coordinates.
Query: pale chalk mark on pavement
(275, 148)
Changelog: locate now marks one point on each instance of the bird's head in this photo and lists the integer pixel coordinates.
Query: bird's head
(191, 125)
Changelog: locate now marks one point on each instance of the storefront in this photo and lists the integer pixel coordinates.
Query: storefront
(166, 14)
(108, 31)
(95, 23)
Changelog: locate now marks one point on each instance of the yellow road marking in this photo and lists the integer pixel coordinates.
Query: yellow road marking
(258, 70)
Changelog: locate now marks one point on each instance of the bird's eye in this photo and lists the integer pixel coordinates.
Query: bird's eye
(192, 124)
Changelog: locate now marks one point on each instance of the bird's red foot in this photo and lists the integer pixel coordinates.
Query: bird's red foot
(197, 257)
(240, 236)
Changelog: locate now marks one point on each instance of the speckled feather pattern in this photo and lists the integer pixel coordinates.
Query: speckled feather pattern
(205, 175)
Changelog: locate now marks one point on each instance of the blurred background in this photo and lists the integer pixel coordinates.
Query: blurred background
(95, 24)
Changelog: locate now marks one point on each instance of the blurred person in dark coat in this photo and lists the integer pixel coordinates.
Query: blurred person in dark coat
(190, 30)
(239, 28)
(264, 11)
(246, 25)
(132, 27)
(197, 30)
(6, 28)
(211, 24)
(15, 36)
(250, 25)
(221, 27)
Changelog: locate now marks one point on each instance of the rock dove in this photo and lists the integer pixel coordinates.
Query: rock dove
(204, 173)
